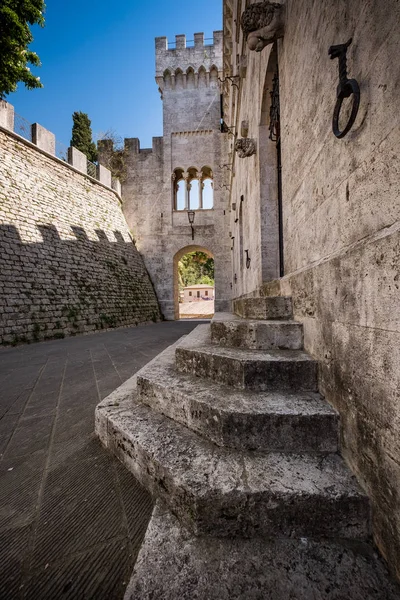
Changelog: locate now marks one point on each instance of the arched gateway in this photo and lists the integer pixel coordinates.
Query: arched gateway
(180, 254)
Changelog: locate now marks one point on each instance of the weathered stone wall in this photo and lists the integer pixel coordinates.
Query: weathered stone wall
(161, 232)
(341, 215)
(188, 78)
(67, 262)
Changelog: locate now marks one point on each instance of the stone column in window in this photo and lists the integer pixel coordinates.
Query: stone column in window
(201, 188)
(187, 190)
(174, 192)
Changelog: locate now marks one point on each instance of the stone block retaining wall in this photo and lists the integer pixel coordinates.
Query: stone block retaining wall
(67, 262)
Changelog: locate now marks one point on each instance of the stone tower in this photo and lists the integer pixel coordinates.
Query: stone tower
(182, 172)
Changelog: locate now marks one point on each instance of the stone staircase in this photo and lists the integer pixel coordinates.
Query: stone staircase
(226, 429)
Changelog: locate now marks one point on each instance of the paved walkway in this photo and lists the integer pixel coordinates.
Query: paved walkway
(71, 517)
(204, 309)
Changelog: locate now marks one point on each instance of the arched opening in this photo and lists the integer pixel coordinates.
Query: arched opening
(213, 76)
(207, 188)
(194, 283)
(190, 78)
(167, 79)
(208, 193)
(270, 175)
(179, 79)
(193, 189)
(202, 77)
(179, 189)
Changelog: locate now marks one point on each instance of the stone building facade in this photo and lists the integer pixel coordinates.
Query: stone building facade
(317, 217)
(67, 261)
(183, 172)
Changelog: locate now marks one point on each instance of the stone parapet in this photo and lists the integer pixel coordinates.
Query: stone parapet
(77, 159)
(6, 115)
(45, 141)
(67, 262)
(43, 138)
(103, 175)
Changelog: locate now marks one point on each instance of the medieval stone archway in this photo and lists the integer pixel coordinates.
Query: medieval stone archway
(177, 258)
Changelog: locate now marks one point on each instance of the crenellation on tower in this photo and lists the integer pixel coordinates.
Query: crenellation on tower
(161, 43)
(132, 146)
(180, 41)
(198, 55)
(199, 40)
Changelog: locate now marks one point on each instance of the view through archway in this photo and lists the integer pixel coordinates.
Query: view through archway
(194, 283)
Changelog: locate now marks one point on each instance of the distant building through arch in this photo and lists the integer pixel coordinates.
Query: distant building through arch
(180, 254)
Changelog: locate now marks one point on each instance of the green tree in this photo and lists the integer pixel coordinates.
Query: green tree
(15, 37)
(195, 267)
(82, 135)
(112, 153)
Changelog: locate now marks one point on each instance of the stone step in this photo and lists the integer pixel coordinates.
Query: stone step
(242, 419)
(225, 493)
(232, 331)
(173, 563)
(271, 307)
(272, 370)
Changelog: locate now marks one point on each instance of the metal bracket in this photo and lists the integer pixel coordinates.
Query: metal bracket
(345, 89)
(226, 129)
(230, 79)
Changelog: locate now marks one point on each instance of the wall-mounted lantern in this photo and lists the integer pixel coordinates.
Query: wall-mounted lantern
(248, 259)
(191, 215)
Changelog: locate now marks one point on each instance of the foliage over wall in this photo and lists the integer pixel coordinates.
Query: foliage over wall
(195, 267)
(82, 135)
(15, 37)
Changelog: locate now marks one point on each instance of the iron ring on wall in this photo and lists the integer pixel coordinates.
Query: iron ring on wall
(351, 89)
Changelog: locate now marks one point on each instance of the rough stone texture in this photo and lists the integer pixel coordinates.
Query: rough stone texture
(72, 517)
(263, 308)
(173, 564)
(188, 80)
(67, 262)
(290, 370)
(340, 219)
(226, 493)
(228, 330)
(241, 420)
(304, 507)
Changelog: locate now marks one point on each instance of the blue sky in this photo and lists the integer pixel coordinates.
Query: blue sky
(98, 57)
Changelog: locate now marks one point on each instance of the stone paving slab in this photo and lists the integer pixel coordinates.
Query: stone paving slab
(72, 518)
(173, 564)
